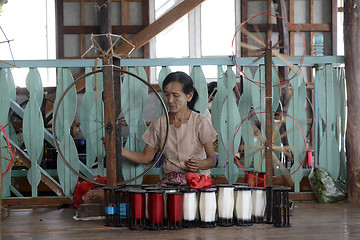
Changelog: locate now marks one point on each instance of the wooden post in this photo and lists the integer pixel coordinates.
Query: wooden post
(108, 94)
(117, 102)
(268, 112)
(352, 70)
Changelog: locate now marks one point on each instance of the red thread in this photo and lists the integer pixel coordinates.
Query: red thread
(175, 207)
(156, 208)
(137, 206)
(269, 14)
(11, 153)
(198, 181)
(233, 147)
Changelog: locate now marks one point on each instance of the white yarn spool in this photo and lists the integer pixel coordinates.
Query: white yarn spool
(225, 205)
(243, 206)
(207, 207)
(190, 206)
(258, 198)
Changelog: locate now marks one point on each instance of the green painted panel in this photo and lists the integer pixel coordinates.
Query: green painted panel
(12, 88)
(34, 84)
(86, 126)
(4, 98)
(216, 110)
(200, 85)
(230, 120)
(133, 107)
(296, 128)
(162, 75)
(275, 90)
(244, 107)
(92, 121)
(66, 115)
(68, 179)
(33, 132)
(333, 155)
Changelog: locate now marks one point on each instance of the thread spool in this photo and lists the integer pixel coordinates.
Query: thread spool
(207, 207)
(281, 207)
(148, 188)
(190, 207)
(243, 206)
(261, 181)
(155, 209)
(168, 190)
(137, 203)
(123, 207)
(175, 210)
(110, 206)
(258, 199)
(225, 205)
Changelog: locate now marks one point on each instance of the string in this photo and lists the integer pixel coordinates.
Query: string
(253, 175)
(269, 14)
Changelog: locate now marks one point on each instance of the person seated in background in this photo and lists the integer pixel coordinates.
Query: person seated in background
(189, 146)
(212, 89)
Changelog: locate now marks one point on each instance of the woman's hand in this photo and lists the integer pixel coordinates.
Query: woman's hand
(192, 165)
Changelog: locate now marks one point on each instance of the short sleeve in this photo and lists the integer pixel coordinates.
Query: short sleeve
(151, 135)
(206, 131)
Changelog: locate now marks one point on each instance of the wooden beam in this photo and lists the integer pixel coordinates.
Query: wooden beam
(352, 63)
(244, 16)
(38, 201)
(82, 22)
(159, 25)
(292, 34)
(96, 29)
(305, 27)
(59, 13)
(334, 13)
(125, 13)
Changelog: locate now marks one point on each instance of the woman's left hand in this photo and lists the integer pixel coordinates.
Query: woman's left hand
(192, 165)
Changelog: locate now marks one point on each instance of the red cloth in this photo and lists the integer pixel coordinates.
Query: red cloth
(197, 182)
(83, 187)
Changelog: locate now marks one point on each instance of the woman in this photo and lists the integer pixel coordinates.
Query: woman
(189, 147)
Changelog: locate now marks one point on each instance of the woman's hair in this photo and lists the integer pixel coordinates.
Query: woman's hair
(187, 85)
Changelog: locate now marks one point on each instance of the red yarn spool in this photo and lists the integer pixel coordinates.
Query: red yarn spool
(175, 210)
(138, 207)
(156, 209)
(261, 181)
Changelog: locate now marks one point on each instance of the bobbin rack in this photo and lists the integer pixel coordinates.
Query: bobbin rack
(176, 206)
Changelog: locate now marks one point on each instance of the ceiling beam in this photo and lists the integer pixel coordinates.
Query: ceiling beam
(156, 27)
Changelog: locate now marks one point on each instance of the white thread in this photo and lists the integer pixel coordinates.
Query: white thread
(207, 206)
(190, 206)
(226, 202)
(258, 198)
(243, 204)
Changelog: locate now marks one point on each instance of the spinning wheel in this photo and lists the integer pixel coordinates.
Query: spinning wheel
(57, 144)
(269, 134)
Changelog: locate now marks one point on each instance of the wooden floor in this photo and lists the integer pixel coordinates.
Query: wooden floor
(309, 221)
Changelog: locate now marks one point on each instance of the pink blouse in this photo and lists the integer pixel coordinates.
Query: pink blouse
(183, 143)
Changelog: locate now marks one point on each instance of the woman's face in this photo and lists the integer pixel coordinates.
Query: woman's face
(175, 97)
